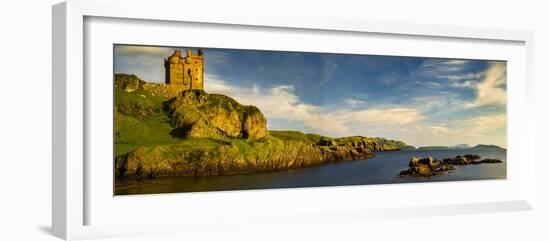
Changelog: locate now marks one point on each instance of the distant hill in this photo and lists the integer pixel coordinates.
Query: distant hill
(483, 146)
(433, 147)
(460, 146)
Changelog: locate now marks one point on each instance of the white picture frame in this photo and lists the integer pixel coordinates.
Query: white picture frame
(78, 195)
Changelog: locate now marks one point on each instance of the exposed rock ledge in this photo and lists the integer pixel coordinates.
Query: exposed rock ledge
(269, 154)
(428, 166)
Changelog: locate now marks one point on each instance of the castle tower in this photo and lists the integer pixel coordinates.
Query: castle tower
(174, 69)
(186, 71)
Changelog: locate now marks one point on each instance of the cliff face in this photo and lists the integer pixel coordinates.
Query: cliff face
(214, 157)
(162, 131)
(198, 114)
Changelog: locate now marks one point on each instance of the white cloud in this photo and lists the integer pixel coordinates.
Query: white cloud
(464, 84)
(149, 50)
(438, 130)
(389, 78)
(406, 122)
(281, 102)
(456, 62)
(482, 125)
(389, 116)
(353, 102)
(328, 70)
(485, 129)
(436, 67)
(468, 76)
(490, 90)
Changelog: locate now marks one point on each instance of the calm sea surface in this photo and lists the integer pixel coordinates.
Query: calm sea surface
(383, 169)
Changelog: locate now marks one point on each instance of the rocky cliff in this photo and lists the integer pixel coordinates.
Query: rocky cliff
(228, 157)
(197, 114)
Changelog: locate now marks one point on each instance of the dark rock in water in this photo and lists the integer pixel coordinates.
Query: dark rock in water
(462, 160)
(472, 157)
(488, 160)
(428, 166)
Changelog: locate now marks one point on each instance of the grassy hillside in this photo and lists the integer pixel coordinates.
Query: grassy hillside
(140, 121)
(296, 136)
(161, 133)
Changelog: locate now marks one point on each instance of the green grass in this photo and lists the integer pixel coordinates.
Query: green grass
(296, 136)
(132, 132)
(140, 103)
(140, 121)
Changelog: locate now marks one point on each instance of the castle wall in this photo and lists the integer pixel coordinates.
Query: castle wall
(186, 71)
(174, 73)
(196, 70)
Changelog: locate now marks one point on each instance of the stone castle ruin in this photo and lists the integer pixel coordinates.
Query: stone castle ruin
(187, 71)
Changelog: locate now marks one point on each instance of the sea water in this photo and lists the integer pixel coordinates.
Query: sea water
(382, 169)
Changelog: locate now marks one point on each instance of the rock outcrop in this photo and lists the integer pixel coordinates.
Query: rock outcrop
(229, 157)
(428, 166)
(131, 83)
(196, 113)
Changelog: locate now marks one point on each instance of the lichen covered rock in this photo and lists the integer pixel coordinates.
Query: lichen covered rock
(428, 166)
(197, 114)
(208, 157)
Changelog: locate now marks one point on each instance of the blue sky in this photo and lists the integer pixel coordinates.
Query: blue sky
(422, 101)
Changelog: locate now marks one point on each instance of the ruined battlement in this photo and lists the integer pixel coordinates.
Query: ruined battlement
(187, 71)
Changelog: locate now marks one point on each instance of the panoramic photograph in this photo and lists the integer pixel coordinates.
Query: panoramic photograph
(192, 119)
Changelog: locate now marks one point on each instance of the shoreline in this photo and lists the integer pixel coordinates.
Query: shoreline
(384, 168)
(355, 157)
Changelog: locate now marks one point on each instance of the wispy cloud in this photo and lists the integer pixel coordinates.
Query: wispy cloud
(438, 67)
(353, 102)
(144, 61)
(482, 125)
(329, 68)
(455, 62)
(389, 78)
(467, 76)
(281, 102)
(438, 130)
(390, 116)
(139, 50)
(491, 90)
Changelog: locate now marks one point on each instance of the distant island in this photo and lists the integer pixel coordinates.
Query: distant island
(460, 146)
